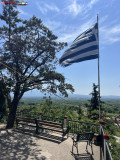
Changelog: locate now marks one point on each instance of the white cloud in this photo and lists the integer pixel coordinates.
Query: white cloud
(88, 7)
(69, 37)
(22, 12)
(75, 8)
(103, 19)
(44, 8)
(52, 7)
(91, 3)
(41, 9)
(53, 25)
(115, 30)
(110, 35)
(107, 35)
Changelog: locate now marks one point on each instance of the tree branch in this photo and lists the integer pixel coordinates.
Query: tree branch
(33, 61)
(38, 66)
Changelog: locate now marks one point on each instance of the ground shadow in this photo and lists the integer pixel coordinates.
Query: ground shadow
(17, 146)
(84, 156)
(49, 136)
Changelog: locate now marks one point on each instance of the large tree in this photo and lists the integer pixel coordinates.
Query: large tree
(28, 57)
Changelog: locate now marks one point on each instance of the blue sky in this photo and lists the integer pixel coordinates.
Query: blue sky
(69, 18)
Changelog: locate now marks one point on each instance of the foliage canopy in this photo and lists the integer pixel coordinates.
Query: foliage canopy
(28, 56)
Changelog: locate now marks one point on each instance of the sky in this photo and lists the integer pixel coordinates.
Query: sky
(69, 18)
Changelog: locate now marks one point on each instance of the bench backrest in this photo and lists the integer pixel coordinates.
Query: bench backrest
(85, 136)
(49, 123)
(19, 119)
(39, 122)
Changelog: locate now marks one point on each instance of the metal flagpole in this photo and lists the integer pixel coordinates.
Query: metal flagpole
(98, 71)
(9, 23)
(99, 85)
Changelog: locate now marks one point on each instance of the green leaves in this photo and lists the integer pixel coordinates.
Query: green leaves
(29, 50)
(93, 106)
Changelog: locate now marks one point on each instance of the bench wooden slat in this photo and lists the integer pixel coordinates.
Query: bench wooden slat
(50, 125)
(24, 118)
(23, 121)
(30, 125)
(49, 122)
(52, 129)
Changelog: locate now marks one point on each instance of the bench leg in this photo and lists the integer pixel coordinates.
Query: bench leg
(90, 143)
(77, 147)
(87, 146)
(36, 130)
(63, 136)
(72, 148)
(91, 148)
(67, 135)
(75, 144)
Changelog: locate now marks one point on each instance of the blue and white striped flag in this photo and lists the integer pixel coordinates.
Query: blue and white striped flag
(84, 47)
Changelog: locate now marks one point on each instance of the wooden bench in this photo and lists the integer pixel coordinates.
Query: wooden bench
(30, 122)
(83, 137)
(41, 125)
(53, 126)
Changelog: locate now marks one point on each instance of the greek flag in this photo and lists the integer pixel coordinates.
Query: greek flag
(84, 47)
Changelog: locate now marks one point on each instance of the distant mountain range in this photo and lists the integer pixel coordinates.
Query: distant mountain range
(89, 96)
(76, 96)
(111, 97)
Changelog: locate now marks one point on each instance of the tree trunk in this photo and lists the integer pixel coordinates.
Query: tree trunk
(12, 114)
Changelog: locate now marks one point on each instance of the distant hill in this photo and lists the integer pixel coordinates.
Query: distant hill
(75, 96)
(111, 97)
(79, 96)
(89, 96)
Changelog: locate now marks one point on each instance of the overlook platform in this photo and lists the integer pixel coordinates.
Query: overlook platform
(17, 144)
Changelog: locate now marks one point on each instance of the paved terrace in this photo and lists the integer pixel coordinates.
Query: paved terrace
(17, 144)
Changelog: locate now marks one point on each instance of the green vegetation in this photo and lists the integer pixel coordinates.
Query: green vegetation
(93, 106)
(48, 109)
(75, 109)
(112, 107)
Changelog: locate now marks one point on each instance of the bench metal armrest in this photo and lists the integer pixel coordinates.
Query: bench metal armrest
(74, 137)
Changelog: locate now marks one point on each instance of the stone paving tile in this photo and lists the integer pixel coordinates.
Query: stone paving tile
(19, 145)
